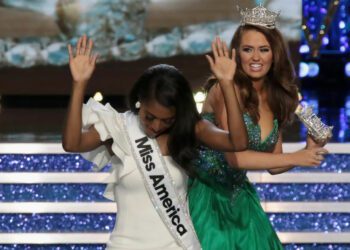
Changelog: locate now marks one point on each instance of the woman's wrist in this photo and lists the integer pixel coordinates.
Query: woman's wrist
(80, 82)
(226, 82)
(79, 85)
(290, 159)
(78, 90)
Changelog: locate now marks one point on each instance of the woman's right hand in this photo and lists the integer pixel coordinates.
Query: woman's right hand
(222, 64)
(312, 157)
(82, 62)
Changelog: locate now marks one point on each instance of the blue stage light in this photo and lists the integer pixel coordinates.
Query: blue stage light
(325, 40)
(342, 25)
(314, 69)
(347, 69)
(303, 69)
(338, 36)
(347, 103)
(304, 49)
(343, 39)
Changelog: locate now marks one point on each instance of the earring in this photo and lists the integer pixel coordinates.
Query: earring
(137, 105)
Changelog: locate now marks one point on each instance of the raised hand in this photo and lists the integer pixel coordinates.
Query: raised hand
(222, 65)
(82, 63)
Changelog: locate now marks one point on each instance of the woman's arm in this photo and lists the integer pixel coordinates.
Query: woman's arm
(224, 69)
(279, 150)
(82, 65)
(310, 144)
(276, 162)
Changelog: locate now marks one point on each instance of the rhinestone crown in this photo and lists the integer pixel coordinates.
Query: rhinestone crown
(316, 128)
(259, 16)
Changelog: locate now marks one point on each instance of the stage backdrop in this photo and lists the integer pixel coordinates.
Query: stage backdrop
(37, 33)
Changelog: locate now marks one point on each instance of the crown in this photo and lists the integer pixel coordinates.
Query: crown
(316, 128)
(259, 16)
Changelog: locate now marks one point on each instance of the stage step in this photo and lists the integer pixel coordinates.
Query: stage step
(54, 199)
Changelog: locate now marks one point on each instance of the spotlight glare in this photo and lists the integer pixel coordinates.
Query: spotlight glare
(199, 97)
(98, 96)
(199, 107)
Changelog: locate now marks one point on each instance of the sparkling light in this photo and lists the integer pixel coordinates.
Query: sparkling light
(347, 69)
(325, 40)
(319, 19)
(199, 107)
(98, 97)
(45, 163)
(347, 102)
(314, 69)
(303, 69)
(199, 96)
(342, 25)
(304, 49)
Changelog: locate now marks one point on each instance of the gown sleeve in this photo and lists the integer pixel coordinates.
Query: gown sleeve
(109, 124)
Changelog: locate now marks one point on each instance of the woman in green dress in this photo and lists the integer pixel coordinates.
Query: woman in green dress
(224, 205)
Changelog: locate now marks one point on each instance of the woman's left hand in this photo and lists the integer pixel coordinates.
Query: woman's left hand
(222, 64)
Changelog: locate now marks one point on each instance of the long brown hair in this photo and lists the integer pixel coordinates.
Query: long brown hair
(282, 92)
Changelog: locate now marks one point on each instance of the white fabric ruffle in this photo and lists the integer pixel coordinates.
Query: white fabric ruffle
(109, 124)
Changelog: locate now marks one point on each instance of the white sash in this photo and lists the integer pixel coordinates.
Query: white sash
(160, 186)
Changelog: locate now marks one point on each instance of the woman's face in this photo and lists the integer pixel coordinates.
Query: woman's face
(255, 54)
(156, 118)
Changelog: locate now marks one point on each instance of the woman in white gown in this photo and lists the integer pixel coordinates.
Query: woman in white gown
(151, 147)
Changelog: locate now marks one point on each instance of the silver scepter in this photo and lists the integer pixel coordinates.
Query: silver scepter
(319, 131)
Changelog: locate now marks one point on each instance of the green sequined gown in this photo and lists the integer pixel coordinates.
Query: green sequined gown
(224, 205)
